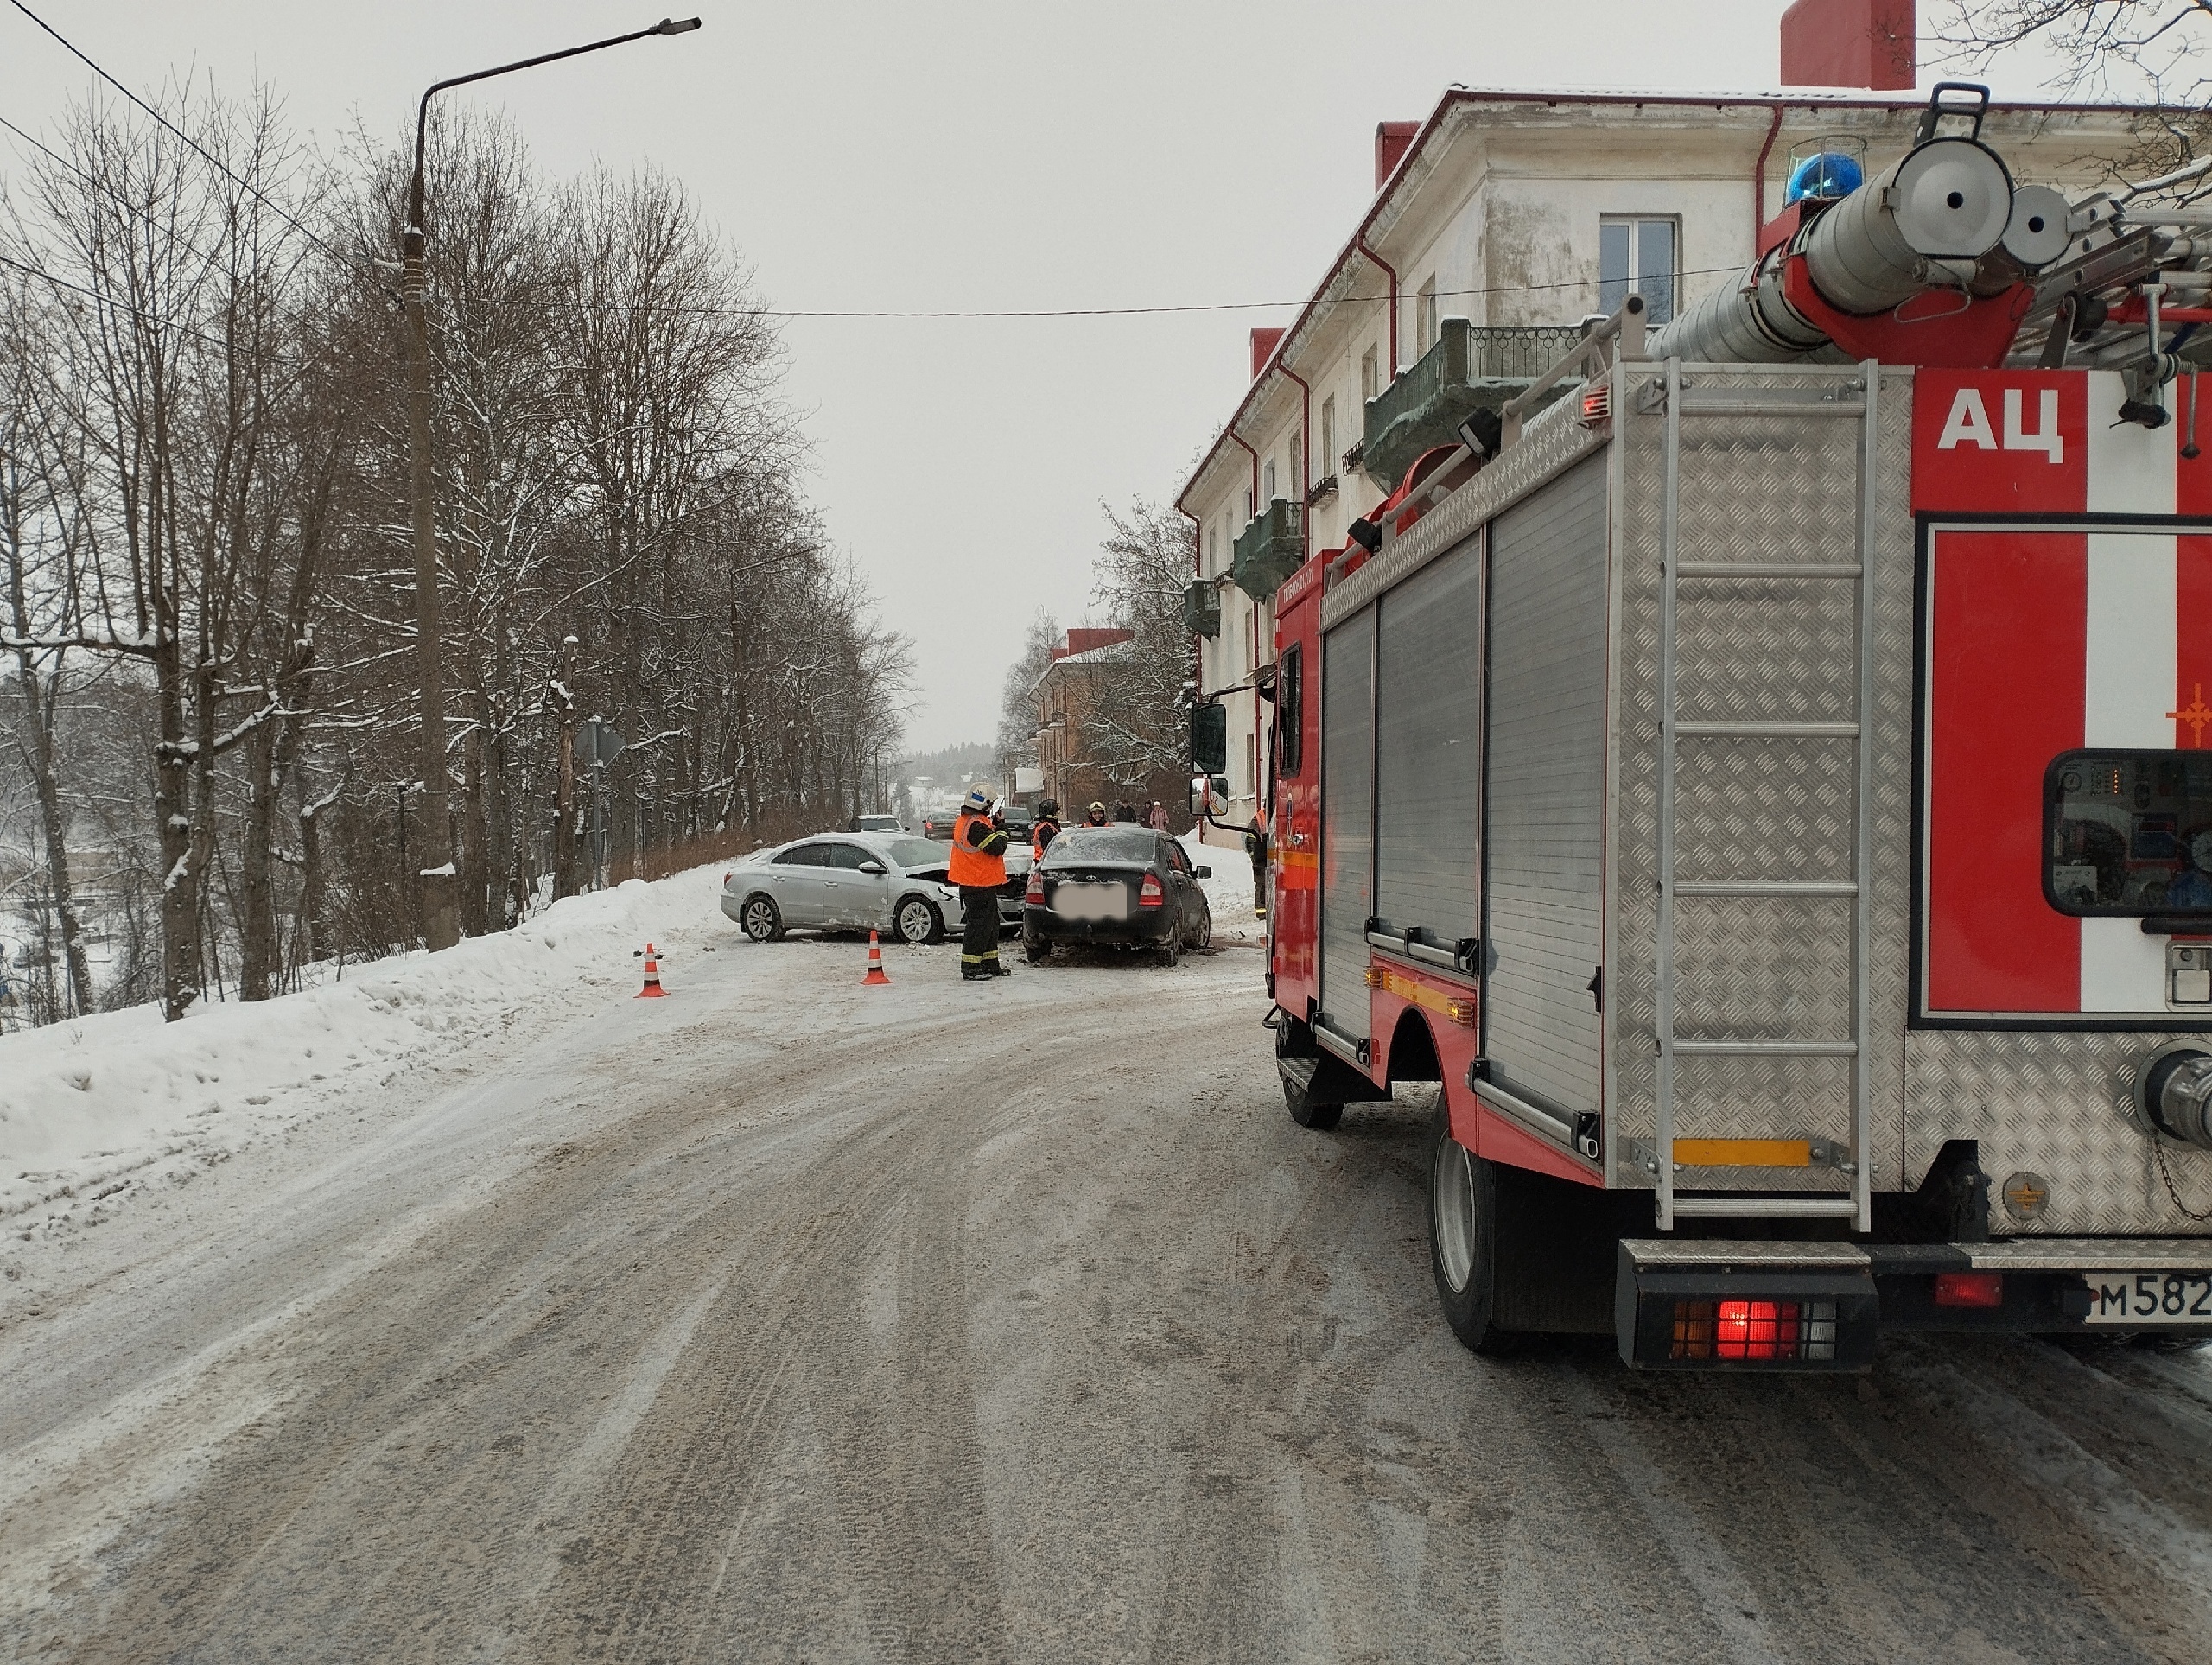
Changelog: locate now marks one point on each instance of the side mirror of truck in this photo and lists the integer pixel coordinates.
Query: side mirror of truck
(1208, 739)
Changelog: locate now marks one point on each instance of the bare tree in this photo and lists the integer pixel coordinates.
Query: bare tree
(1017, 742)
(204, 550)
(43, 547)
(1138, 710)
(2100, 48)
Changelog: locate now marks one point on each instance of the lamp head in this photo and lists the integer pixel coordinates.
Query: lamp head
(672, 25)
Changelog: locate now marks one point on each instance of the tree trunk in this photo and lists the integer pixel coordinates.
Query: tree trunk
(38, 751)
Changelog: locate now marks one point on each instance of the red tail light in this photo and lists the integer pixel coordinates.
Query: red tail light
(1969, 1289)
(1036, 891)
(1149, 895)
(1755, 1329)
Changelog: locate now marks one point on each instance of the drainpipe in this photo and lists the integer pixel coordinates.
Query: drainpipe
(1391, 272)
(1758, 181)
(1304, 455)
(1197, 642)
(1255, 455)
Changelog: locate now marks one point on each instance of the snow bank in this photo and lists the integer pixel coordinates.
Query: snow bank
(85, 1104)
(1228, 892)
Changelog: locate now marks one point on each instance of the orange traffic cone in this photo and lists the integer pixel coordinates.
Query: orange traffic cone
(653, 990)
(874, 964)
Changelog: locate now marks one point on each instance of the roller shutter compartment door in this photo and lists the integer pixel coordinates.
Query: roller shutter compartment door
(1428, 748)
(1347, 819)
(1544, 818)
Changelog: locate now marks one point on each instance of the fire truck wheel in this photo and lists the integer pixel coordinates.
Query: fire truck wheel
(1463, 1237)
(1307, 1114)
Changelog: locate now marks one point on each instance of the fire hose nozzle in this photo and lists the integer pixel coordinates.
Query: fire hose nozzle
(2174, 1095)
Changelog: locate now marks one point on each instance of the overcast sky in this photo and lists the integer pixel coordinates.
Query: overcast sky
(881, 158)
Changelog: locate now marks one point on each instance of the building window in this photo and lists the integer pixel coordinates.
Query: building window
(1296, 466)
(1425, 317)
(1370, 366)
(1267, 480)
(1329, 433)
(1638, 255)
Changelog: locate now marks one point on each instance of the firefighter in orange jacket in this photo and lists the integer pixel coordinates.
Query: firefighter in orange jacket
(978, 867)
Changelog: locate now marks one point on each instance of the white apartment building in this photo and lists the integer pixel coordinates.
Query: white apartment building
(1519, 213)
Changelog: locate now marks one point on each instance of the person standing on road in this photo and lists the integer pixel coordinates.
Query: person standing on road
(1046, 828)
(1158, 819)
(1255, 845)
(978, 869)
(1125, 810)
(1095, 815)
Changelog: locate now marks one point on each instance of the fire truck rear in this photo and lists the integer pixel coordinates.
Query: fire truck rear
(1764, 775)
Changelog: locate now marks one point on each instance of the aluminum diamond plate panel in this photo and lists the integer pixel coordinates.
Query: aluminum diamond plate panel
(2055, 1105)
(1762, 489)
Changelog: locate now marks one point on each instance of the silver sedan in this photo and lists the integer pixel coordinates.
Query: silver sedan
(890, 882)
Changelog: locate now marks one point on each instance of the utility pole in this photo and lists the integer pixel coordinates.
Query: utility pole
(564, 832)
(440, 920)
(437, 886)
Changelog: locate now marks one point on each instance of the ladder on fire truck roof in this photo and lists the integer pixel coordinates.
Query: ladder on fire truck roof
(1793, 405)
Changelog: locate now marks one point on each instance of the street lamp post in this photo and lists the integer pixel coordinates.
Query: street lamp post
(440, 916)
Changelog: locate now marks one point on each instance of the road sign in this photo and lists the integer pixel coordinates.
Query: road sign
(597, 743)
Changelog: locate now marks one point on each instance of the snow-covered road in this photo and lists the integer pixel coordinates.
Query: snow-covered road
(786, 1317)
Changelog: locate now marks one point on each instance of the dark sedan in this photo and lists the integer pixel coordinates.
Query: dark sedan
(1125, 886)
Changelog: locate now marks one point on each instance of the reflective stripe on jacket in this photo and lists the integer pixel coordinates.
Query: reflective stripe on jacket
(978, 853)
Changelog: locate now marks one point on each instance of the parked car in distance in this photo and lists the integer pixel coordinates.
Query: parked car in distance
(890, 823)
(890, 882)
(1122, 884)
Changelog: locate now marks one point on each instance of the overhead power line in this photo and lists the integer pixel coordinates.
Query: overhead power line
(157, 319)
(892, 312)
(211, 160)
(1130, 312)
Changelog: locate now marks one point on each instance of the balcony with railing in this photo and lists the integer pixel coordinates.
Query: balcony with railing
(1471, 367)
(1270, 549)
(1202, 608)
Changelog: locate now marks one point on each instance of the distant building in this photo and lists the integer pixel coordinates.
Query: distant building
(1498, 225)
(1078, 757)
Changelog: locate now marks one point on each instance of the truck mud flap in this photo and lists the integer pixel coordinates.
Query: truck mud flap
(1326, 1079)
(1745, 1305)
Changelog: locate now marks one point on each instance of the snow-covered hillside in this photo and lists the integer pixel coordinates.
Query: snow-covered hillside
(92, 1108)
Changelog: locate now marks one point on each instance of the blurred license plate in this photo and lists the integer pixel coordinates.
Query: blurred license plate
(2134, 1298)
(1091, 902)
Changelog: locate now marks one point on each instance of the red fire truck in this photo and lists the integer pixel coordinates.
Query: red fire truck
(1770, 788)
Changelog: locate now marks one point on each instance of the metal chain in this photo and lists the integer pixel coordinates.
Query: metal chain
(2159, 1145)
